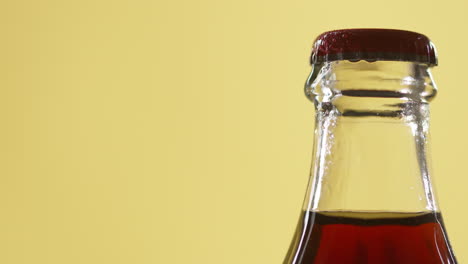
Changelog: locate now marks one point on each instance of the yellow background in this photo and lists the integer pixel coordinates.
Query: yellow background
(177, 131)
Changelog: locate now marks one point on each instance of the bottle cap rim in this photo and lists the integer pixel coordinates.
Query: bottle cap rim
(372, 44)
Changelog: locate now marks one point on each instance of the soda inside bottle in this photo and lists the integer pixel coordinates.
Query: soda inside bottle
(370, 198)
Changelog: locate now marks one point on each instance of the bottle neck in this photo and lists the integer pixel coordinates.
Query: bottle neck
(371, 137)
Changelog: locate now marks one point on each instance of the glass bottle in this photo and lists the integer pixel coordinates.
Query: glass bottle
(370, 198)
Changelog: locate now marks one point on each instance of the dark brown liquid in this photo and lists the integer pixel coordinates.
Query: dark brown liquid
(370, 238)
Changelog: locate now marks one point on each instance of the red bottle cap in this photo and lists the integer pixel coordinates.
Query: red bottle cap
(373, 45)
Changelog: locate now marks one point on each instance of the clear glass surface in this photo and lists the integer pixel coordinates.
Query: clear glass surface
(370, 162)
